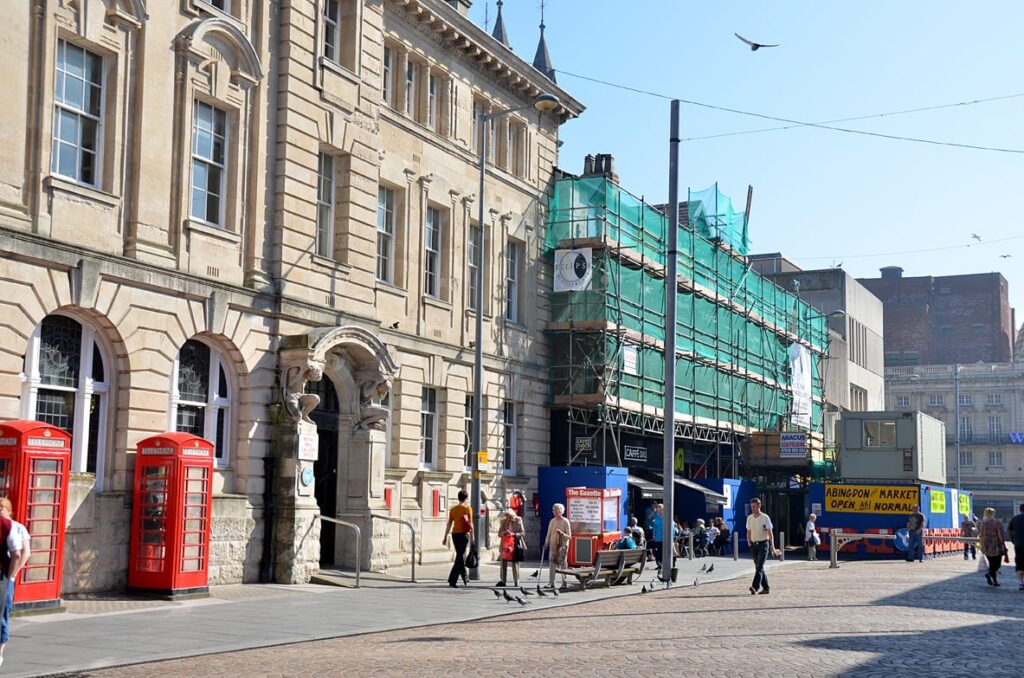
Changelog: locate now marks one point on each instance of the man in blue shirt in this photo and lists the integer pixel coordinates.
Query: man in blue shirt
(627, 541)
(654, 524)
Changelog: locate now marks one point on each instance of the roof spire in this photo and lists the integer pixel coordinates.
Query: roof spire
(542, 60)
(500, 34)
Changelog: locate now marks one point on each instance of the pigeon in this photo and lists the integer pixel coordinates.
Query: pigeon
(523, 590)
(540, 592)
(711, 568)
(497, 593)
(696, 583)
(704, 567)
(508, 598)
(754, 46)
(976, 237)
(644, 589)
(520, 601)
(555, 591)
(536, 573)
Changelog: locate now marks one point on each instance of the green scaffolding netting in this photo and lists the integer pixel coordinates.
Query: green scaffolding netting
(735, 366)
(710, 213)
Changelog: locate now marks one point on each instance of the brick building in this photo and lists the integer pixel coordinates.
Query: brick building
(931, 320)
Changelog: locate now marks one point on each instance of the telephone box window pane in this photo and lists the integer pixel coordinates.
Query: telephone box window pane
(195, 511)
(56, 408)
(40, 544)
(155, 471)
(5, 476)
(195, 499)
(36, 573)
(60, 347)
(195, 525)
(195, 472)
(40, 513)
(195, 486)
(46, 466)
(44, 480)
(42, 497)
(193, 565)
(192, 552)
(194, 372)
(193, 538)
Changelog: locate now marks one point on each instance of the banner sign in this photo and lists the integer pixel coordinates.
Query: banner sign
(573, 269)
(938, 500)
(872, 499)
(965, 504)
(630, 358)
(793, 445)
(800, 369)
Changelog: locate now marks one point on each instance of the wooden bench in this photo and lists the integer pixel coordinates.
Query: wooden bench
(612, 566)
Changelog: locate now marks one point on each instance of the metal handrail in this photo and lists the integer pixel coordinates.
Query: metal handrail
(359, 538)
(413, 529)
(837, 540)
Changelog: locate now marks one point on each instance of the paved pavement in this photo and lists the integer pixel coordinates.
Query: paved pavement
(886, 618)
(113, 630)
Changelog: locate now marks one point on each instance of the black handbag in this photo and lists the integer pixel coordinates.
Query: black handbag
(472, 558)
(519, 551)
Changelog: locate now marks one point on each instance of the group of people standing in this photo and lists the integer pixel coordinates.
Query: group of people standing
(993, 537)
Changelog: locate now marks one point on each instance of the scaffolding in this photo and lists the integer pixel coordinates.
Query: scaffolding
(734, 328)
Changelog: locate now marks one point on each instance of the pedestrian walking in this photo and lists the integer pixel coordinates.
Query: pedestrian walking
(761, 543)
(915, 530)
(1017, 536)
(969, 528)
(655, 524)
(811, 537)
(460, 526)
(993, 544)
(513, 544)
(18, 550)
(557, 544)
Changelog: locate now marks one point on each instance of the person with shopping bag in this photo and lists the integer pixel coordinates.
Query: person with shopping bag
(513, 545)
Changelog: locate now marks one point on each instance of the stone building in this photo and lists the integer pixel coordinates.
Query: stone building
(254, 221)
(990, 415)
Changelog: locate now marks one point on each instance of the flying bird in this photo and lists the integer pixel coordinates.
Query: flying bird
(976, 237)
(508, 598)
(754, 46)
(541, 592)
(711, 568)
(520, 601)
(1005, 256)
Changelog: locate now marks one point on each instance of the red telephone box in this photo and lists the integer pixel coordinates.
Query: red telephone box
(34, 462)
(170, 549)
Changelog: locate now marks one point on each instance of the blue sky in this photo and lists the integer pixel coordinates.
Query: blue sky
(820, 197)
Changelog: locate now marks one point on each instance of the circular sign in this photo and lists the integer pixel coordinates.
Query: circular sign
(307, 476)
(572, 269)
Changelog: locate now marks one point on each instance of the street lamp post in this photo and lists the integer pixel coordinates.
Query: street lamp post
(956, 396)
(543, 103)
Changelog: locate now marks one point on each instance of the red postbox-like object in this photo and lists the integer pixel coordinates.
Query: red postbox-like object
(34, 461)
(170, 547)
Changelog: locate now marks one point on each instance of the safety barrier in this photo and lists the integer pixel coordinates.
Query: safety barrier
(359, 538)
(839, 539)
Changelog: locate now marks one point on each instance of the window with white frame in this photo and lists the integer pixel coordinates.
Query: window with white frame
(966, 399)
(965, 428)
(511, 436)
(201, 396)
(995, 427)
(473, 269)
(478, 112)
(492, 140)
(332, 30)
(995, 458)
(432, 253)
(428, 427)
(517, 148)
(67, 384)
(386, 235)
(880, 433)
(936, 400)
(77, 114)
(209, 163)
(412, 78)
(468, 429)
(966, 457)
(994, 399)
(433, 102)
(902, 401)
(325, 206)
(388, 83)
(514, 262)
(224, 5)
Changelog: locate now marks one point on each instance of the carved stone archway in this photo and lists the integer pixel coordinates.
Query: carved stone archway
(360, 367)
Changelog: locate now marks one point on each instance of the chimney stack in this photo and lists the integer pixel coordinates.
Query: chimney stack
(891, 272)
(602, 165)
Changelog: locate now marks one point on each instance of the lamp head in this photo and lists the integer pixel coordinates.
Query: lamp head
(839, 313)
(545, 102)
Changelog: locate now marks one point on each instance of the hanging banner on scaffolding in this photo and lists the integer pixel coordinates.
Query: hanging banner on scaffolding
(800, 369)
(573, 269)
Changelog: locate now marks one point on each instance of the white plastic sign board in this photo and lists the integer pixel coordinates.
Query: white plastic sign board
(573, 269)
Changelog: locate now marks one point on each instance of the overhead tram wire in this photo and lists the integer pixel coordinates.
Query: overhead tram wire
(919, 251)
(800, 123)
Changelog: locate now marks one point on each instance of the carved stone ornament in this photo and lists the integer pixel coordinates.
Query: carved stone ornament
(297, 402)
(372, 383)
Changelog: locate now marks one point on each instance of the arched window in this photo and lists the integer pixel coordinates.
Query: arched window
(67, 385)
(201, 396)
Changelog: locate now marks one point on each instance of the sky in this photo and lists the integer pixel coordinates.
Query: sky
(821, 197)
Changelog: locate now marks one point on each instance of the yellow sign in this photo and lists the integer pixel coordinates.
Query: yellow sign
(938, 501)
(481, 457)
(870, 499)
(965, 504)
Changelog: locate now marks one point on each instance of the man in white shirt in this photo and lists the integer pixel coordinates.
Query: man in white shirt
(760, 541)
(18, 540)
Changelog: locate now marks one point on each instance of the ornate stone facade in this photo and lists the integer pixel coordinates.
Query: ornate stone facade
(255, 224)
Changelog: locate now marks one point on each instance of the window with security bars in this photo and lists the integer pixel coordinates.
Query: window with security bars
(386, 235)
(66, 376)
(432, 253)
(77, 114)
(209, 163)
(201, 399)
(325, 206)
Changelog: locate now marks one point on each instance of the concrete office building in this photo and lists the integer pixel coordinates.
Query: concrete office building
(211, 211)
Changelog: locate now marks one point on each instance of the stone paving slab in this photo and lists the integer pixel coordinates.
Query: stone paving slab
(245, 617)
(869, 618)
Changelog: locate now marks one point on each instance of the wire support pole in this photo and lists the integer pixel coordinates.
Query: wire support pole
(668, 466)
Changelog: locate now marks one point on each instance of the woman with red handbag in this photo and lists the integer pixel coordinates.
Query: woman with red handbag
(513, 544)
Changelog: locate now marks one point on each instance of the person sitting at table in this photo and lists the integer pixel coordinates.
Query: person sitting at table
(722, 540)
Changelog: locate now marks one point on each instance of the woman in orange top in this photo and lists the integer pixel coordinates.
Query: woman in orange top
(460, 526)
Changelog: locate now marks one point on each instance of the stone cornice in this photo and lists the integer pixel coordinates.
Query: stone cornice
(476, 45)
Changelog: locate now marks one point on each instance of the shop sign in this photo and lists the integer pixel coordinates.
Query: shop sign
(871, 499)
(634, 453)
(793, 445)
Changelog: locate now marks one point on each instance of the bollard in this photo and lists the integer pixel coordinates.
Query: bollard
(833, 552)
(782, 547)
(689, 546)
(735, 545)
